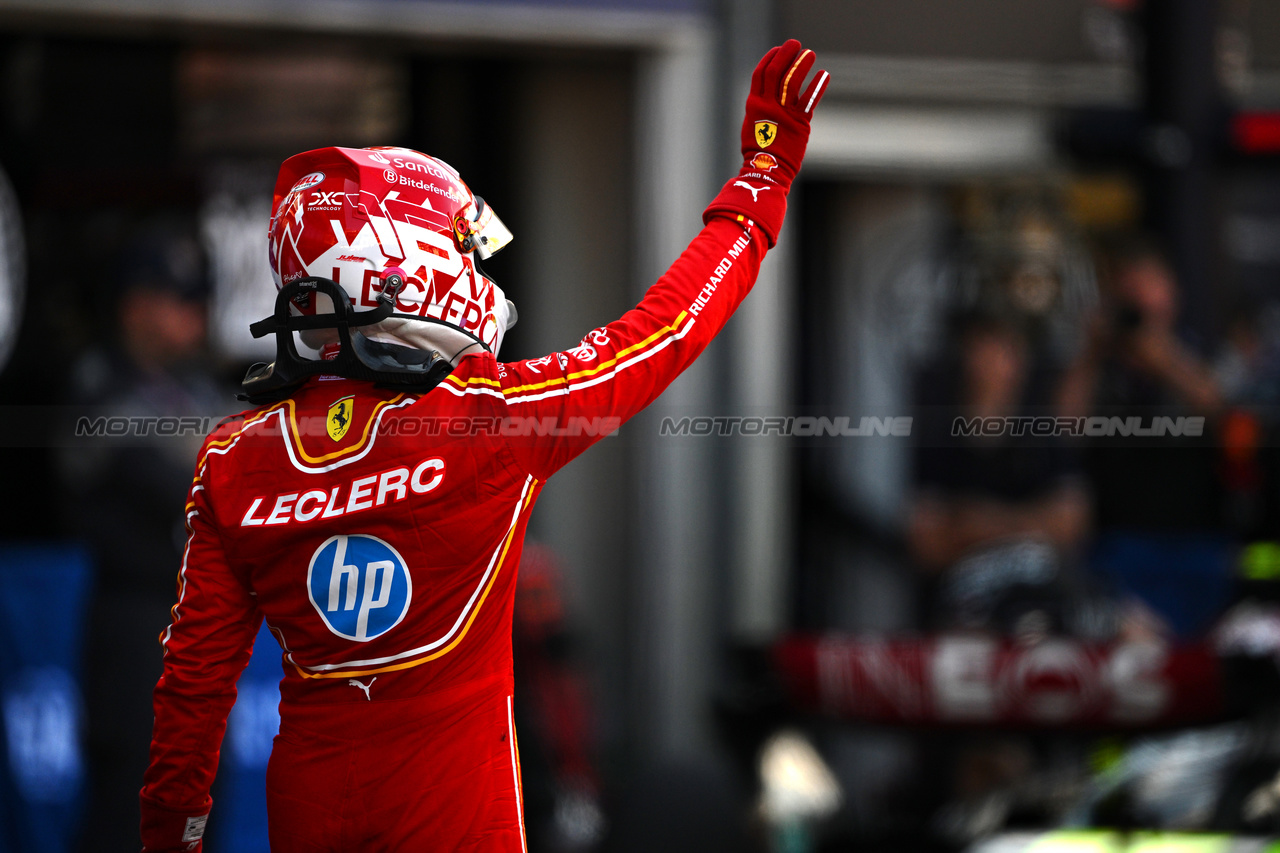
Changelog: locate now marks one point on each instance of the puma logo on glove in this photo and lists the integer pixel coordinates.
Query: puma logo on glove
(755, 191)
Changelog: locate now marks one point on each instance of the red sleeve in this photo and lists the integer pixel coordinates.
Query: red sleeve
(205, 649)
(557, 406)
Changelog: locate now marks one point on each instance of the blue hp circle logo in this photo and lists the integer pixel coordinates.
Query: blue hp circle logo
(359, 585)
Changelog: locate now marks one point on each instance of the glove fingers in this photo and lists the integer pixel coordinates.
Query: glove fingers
(781, 58)
(789, 91)
(757, 76)
(812, 95)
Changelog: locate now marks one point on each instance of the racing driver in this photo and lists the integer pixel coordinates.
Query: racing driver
(371, 508)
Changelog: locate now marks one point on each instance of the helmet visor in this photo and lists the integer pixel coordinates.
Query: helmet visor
(491, 235)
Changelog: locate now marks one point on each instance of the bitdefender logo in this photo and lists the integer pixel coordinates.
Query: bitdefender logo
(359, 585)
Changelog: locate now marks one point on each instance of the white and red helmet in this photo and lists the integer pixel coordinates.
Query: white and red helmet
(359, 215)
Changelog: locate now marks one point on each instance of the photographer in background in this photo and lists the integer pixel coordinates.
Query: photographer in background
(1133, 355)
(1158, 507)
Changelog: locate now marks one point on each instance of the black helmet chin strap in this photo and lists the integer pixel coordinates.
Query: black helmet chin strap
(358, 357)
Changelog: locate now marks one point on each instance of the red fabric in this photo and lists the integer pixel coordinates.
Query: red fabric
(447, 480)
(775, 133)
(163, 830)
(397, 775)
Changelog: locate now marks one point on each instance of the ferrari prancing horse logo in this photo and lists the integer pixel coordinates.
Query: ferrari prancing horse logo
(766, 132)
(340, 417)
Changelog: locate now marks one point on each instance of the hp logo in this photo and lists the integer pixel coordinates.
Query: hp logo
(359, 585)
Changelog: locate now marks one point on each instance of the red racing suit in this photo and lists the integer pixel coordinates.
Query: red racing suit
(378, 534)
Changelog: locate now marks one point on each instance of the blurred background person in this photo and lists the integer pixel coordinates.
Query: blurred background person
(124, 499)
(1134, 355)
(993, 513)
(1161, 528)
(997, 523)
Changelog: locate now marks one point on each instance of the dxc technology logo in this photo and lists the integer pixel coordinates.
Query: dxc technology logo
(359, 585)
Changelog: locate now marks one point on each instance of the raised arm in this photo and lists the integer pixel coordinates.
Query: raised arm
(620, 368)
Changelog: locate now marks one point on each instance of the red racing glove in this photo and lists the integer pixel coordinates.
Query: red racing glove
(774, 136)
